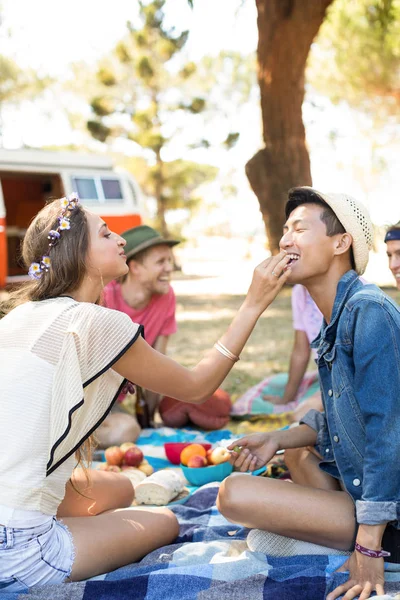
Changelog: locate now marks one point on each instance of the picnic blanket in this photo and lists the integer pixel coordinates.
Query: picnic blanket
(209, 561)
(253, 402)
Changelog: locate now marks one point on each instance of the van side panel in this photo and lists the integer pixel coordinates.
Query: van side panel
(120, 223)
(3, 252)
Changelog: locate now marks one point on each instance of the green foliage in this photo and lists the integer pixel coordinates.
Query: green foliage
(356, 56)
(140, 74)
(147, 93)
(106, 76)
(102, 106)
(99, 131)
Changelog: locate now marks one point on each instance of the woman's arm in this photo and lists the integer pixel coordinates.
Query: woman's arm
(153, 371)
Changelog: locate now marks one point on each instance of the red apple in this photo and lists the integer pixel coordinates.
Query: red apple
(219, 455)
(208, 456)
(133, 456)
(197, 461)
(114, 455)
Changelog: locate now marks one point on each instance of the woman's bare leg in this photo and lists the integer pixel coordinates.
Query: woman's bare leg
(303, 465)
(103, 491)
(113, 536)
(114, 539)
(320, 516)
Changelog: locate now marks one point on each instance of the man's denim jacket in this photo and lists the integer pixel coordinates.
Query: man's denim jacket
(359, 369)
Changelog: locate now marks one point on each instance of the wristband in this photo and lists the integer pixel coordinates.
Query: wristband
(371, 553)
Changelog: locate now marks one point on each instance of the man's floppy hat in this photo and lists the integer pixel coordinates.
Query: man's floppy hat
(143, 237)
(355, 219)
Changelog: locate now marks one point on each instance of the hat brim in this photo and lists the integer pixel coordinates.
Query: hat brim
(356, 221)
(159, 241)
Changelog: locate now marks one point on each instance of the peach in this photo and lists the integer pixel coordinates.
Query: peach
(114, 455)
(197, 461)
(192, 450)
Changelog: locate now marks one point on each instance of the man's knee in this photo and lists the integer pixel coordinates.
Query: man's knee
(228, 499)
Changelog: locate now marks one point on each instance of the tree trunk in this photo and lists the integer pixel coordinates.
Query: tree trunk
(286, 30)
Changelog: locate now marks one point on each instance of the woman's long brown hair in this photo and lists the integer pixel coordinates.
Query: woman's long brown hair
(66, 273)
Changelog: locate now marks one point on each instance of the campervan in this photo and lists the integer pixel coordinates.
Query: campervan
(28, 178)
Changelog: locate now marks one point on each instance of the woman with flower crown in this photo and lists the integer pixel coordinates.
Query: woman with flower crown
(63, 361)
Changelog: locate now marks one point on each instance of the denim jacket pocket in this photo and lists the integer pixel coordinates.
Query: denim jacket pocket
(337, 382)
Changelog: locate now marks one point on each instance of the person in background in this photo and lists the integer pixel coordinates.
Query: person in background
(146, 296)
(392, 240)
(307, 321)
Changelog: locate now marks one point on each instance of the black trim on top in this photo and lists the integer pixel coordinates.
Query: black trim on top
(49, 468)
(85, 437)
(140, 331)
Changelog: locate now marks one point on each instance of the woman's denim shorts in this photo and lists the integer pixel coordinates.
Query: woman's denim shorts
(35, 556)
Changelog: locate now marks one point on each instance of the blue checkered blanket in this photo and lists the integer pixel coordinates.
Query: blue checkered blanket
(209, 561)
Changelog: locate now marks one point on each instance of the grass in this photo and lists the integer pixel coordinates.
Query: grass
(203, 319)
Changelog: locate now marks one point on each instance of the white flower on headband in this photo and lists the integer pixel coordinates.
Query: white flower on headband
(64, 223)
(67, 204)
(35, 271)
(46, 262)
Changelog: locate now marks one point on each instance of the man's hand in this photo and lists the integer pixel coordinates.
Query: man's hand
(274, 399)
(256, 451)
(366, 577)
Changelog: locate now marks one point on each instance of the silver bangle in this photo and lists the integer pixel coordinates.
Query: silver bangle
(227, 353)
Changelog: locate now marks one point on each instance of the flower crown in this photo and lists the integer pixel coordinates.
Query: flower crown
(37, 269)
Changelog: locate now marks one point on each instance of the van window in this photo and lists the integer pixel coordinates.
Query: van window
(111, 189)
(98, 190)
(86, 189)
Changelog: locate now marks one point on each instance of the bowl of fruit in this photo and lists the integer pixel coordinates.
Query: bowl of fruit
(201, 466)
(173, 450)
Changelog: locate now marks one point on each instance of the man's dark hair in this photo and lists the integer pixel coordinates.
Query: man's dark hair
(299, 196)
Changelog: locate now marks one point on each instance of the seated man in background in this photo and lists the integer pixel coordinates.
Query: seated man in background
(307, 321)
(392, 240)
(146, 296)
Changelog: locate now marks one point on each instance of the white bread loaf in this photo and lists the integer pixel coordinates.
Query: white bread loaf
(159, 488)
(134, 475)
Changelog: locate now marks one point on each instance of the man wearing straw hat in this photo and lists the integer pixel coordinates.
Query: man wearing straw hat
(345, 495)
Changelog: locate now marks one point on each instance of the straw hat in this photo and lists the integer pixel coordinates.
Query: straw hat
(355, 219)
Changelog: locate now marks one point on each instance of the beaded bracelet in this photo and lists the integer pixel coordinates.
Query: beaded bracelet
(371, 553)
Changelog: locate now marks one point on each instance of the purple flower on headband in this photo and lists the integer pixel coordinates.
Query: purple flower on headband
(35, 271)
(64, 223)
(53, 235)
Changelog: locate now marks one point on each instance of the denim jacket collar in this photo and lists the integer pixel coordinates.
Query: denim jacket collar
(347, 286)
